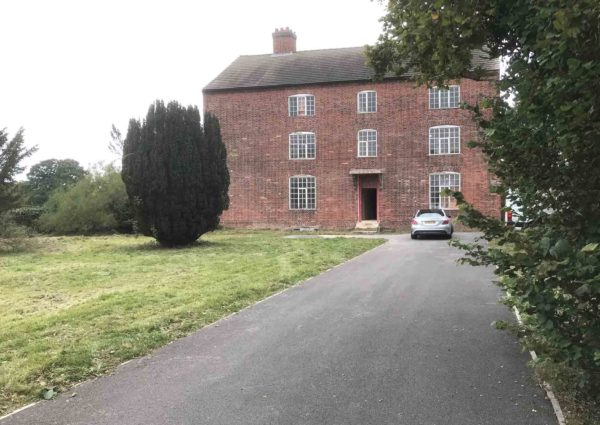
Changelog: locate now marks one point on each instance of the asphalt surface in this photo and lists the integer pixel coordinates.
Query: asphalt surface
(400, 335)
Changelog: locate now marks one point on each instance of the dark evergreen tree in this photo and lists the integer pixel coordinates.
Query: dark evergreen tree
(216, 172)
(175, 173)
(51, 174)
(11, 154)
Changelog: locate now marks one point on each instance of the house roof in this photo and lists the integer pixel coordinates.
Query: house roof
(309, 67)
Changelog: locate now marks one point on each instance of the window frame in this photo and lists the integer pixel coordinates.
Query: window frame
(306, 199)
(439, 127)
(358, 143)
(440, 91)
(306, 105)
(358, 102)
(302, 133)
(442, 204)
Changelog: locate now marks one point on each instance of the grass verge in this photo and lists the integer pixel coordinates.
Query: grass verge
(577, 409)
(75, 307)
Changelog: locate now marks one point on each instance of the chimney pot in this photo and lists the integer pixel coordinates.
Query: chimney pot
(284, 41)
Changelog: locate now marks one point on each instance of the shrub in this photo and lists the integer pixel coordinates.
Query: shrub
(26, 216)
(96, 204)
(13, 237)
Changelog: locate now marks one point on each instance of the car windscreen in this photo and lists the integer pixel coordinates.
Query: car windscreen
(430, 215)
(430, 212)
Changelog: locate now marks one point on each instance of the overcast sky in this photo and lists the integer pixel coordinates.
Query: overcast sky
(69, 69)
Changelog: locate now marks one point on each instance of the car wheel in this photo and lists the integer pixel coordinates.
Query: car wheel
(413, 236)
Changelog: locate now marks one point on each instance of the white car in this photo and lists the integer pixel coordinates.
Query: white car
(431, 222)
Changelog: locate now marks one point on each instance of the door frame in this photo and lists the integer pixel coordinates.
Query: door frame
(360, 188)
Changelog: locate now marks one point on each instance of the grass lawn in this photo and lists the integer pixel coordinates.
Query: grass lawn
(75, 307)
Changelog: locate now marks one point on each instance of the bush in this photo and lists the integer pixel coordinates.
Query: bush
(96, 204)
(13, 237)
(26, 216)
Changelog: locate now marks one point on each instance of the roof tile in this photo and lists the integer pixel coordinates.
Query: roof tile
(308, 67)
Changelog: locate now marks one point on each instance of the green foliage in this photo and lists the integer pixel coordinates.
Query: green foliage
(11, 155)
(542, 139)
(13, 237)
(26, 216)
(47, 176)
(96, 204)
(175, 173)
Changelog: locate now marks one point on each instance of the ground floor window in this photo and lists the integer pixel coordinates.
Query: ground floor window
(438, 182)
(303, 193)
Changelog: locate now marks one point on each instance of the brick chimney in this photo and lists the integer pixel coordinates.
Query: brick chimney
(284, 41)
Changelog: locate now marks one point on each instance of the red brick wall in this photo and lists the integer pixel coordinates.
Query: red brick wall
(255, 128)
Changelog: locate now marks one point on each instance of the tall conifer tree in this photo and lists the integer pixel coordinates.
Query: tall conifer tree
(175, 173)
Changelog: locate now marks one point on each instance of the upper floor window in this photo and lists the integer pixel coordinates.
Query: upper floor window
(444, 139)
(302, 145)
(444, 98)
(367, 101)
(367, 143)
(303, 193)
(301, 105)
(438, 182)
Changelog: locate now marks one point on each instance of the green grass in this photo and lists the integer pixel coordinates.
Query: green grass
(75, 307)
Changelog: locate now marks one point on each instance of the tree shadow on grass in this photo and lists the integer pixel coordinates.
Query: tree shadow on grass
(155, 246)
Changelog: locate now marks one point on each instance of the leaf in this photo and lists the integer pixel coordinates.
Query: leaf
(560, 248)
(573, 63)
(582, 290)
(559, 20)
(591, 247)
(48, 393)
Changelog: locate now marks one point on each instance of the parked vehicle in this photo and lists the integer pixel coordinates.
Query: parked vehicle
(431, 222)
(513, 215)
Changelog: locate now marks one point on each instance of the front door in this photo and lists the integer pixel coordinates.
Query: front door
(368, 194)
(368, 204)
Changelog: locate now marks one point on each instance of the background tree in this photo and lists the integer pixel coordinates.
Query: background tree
(545, 147)
(115, 145)
(97, 203)
(11, 154)
(47, 176)
(175, 173)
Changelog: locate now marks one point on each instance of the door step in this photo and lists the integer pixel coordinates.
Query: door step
(367, 227)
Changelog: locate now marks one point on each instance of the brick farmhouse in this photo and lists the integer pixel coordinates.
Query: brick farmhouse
(313, 141)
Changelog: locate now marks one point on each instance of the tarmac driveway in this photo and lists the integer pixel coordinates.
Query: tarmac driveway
(399, 335)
